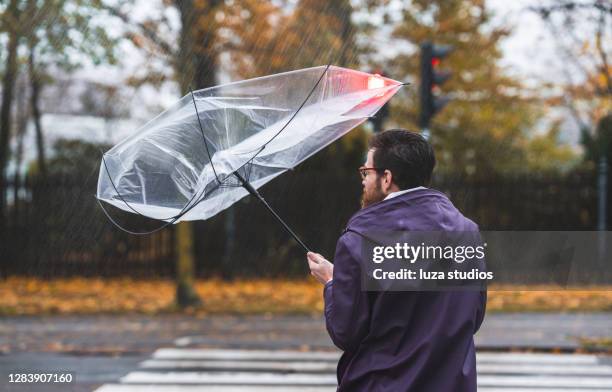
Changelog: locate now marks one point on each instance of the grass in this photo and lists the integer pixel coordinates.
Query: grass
(32, 296)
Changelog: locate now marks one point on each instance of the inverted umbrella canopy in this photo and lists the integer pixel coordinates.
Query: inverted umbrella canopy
(201, 155)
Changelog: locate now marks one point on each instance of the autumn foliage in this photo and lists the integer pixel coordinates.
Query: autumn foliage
(32, 296)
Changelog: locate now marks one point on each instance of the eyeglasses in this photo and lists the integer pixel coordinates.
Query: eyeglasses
(364, 171)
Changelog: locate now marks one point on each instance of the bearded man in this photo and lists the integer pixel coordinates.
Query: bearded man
(413, 341)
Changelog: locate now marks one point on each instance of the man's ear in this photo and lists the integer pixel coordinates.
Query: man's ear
(387, 180)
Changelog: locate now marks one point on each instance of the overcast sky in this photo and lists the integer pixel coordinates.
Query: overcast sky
(530, 49)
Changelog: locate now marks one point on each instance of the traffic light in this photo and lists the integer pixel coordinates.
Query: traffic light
(431, 78)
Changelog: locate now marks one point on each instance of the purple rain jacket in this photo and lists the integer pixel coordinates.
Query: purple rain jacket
(403, 341)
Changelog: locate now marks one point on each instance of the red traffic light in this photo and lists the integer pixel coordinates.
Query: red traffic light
(431, 78)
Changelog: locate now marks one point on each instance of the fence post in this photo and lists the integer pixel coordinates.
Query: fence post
(602, 194)
(228, 267)
(602, 185)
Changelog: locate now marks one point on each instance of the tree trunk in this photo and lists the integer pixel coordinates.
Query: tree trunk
(195, 67)
(21, 129)
(8, 83)
(185, 266)
(35, 86)
(197, 60)
(344, 11)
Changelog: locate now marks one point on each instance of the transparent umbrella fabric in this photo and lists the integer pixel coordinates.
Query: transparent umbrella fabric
(183, 163)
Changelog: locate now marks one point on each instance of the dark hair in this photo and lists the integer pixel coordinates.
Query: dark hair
(407, 155)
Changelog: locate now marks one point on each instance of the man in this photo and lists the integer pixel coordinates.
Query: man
(413, 341)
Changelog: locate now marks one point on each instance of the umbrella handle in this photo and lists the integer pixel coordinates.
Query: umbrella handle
(247, 185)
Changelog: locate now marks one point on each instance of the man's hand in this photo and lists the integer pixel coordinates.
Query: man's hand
(320, 268)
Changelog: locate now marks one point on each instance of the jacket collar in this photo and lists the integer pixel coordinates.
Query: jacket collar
(394, 202)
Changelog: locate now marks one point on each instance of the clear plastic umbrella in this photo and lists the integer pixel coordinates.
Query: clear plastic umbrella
(218, 144)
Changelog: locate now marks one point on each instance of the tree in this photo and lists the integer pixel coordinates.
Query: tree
(486, 126)
(599, 143)
(582, 31)
(544, 153)
(58, 34)
(50, 36)
(75, 158)
(257, 37)
(194, 59)
(316, 33)
(10, 23)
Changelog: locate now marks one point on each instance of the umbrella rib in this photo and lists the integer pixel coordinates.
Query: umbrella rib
(184, 210)
(203, 136)
(246, 184)
(297, 111)
(170, 220)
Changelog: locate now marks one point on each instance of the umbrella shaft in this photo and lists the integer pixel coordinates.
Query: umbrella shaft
(255, 193)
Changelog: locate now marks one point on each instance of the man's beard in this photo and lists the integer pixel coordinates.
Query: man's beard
(373, 196)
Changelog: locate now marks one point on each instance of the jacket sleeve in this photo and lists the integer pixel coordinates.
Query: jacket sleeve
(347, 312)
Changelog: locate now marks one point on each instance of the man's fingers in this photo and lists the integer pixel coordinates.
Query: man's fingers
(318, 257)
(313, 257)
(312, 264)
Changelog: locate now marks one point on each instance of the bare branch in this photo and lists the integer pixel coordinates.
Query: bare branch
(146, 30)
(605, 68)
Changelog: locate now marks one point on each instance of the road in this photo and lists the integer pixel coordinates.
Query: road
(104, 350)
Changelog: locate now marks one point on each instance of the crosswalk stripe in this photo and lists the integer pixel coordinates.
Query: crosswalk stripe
(271, 388)
(233, 378)
(540, 369)
(211, 388)
(514, 389)
(538, 358)
(545, 381)
(315, 367)
(271, 355)
(268, 378)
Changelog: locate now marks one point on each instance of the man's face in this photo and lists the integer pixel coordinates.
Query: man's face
(372, 184)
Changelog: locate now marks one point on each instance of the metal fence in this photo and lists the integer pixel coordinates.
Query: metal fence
(55, 227)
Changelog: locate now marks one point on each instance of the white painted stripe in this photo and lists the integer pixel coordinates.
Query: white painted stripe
(561, 370)
(304, 367)
(231, 378)
(545, 382)
(272, 388)
(270, 355)
(173, 353)
(242, 378)
(322, 367)
(541, 390)
(537, 358)
(213, 388)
